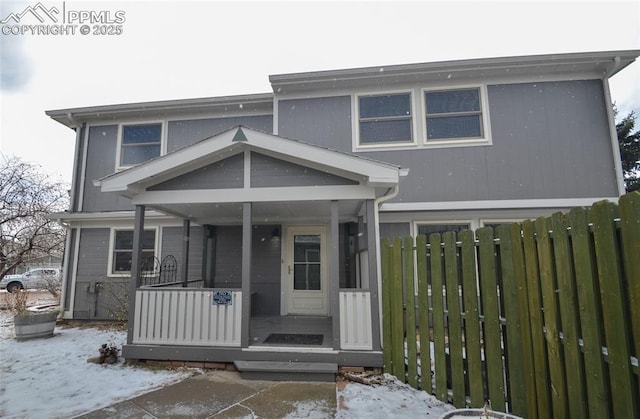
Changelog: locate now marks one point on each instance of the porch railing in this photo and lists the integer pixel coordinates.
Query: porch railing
(183, 316)
(355, 320)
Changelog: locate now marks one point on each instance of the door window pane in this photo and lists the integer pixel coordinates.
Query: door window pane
(306, 263)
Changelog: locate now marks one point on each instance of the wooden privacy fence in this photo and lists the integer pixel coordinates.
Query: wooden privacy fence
(542, 317)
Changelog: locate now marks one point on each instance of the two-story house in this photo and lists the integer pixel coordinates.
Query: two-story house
(250, 224)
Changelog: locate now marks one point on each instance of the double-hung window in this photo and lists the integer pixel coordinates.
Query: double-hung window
(454, 114)
(139, 143)
(385, 119)
(122, 250)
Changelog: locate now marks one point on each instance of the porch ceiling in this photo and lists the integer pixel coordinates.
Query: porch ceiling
(264, 212)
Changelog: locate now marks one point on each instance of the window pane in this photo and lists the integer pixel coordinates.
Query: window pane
(306, 248)
(453, 101)
(385, 132)
(454, 127)
(427, 229)
(138, 154)
(149, 239)
(387, 105)
(124, 240)
(136, 134)
(306, 277)
(122, 262)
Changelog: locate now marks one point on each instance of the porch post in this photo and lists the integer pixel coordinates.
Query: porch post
(186, 234)
(136, 264)
(334, 274)
(372, 247)
(246, 273)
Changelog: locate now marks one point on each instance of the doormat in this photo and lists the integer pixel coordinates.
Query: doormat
(293, 339)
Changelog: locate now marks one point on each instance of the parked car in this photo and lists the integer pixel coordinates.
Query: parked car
(34, 278)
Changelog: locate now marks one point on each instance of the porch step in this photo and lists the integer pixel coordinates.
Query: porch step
(287, 371)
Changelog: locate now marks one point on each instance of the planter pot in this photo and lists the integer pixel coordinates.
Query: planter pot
(34, 326)
(477, 413)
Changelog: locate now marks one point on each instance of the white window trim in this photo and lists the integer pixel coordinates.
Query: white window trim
(112, 236)
(485, 221)
(486, 126)
(163, 139)
(355, 112)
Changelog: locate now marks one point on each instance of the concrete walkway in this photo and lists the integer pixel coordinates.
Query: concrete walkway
(223, 394)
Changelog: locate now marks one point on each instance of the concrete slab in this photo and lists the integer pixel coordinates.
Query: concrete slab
(224, 394)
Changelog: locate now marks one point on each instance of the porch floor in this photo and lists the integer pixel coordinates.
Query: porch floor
(260, 327)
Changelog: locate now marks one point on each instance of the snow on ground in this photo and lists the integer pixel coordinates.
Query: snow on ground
(50, 378)
(391, 399)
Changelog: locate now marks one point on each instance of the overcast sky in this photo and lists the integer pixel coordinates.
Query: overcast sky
(175, 50)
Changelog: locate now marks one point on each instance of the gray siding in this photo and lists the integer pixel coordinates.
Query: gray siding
(267, 171)
(265, 271)
(228, 257)
(172, 245)
(101, 161)
(228, 173)
(92, 269)
(323, 121)
(550, 140)
(392, 230)
(187, 132)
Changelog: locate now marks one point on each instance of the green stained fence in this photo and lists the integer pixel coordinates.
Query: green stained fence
(539, 318)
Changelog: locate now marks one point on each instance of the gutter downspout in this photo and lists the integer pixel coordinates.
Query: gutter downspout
(376, 215)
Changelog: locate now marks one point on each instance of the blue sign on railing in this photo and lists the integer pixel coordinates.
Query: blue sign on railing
(222, 298)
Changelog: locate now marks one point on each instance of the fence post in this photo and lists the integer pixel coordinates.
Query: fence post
(630, 231)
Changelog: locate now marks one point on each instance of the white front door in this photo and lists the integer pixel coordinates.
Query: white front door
(305, 272)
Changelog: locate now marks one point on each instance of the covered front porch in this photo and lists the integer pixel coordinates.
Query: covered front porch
(288, 266)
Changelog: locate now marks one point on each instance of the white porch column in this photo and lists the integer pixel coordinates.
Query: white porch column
(372, 247)
(246, 272)
(136, 264)
(334, 274)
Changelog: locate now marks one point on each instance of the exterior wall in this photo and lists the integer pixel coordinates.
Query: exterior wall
(186, 132)
(228, 257)
(268, 171)
(549, 140)
(101, 161)
(393, 230)
(265, 271)
(172, 245)
(227, 173)
(91, 270)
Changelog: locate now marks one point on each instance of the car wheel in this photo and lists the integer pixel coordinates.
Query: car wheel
(14, 286)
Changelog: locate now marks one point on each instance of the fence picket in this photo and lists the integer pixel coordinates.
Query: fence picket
(551, 318)
(614, 316)
(454, 320)
(409, 298)
(590, 314)
(385, 256)
(438, 317)
(513, 338)
(534, 296)
(491, 323)
(470, 297)
(568, 317)
(630, 232)
(397, 326)
(423, 315)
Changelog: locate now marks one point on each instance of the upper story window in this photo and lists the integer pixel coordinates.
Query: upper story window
(385, 119)
(139, 143)
(453, 114)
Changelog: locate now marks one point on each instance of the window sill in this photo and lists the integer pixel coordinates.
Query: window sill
(428, 145)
